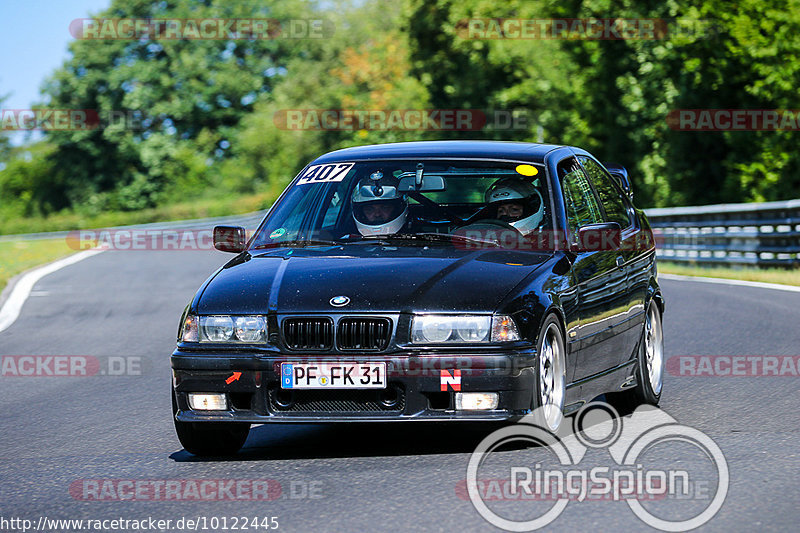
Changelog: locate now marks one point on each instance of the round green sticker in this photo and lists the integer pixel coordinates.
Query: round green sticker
(277, 233)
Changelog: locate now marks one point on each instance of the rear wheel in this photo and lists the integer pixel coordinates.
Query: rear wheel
(649, 366)
(210, 438)
(551, 379)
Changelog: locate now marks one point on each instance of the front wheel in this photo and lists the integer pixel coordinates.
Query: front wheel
(551, 380)
(210, 438)
(649, 366)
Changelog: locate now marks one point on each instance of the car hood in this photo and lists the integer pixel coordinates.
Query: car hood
(374, 278)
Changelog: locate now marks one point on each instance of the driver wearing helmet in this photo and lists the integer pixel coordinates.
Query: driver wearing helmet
(378, 207)
(516, 202)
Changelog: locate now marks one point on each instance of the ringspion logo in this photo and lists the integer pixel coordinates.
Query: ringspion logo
(672, 477)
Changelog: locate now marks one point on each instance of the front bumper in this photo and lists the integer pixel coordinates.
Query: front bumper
(414, 388)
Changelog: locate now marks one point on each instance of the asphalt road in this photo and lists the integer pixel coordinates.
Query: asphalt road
(56, 432)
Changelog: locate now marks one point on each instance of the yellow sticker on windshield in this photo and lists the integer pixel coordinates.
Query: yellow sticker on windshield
(527, 170)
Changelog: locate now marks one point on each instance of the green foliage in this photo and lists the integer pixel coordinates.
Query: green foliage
(202, 117)
(363, 66)
(613, 96)
(169, 107)
(5, 144)
(25, 182)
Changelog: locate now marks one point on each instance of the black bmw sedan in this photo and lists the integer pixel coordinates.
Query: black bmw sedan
(439, 281)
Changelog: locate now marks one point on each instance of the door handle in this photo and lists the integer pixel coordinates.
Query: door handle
(620, 261)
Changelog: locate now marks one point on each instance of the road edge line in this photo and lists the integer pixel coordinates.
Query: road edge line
(737, 282)
(22, 288)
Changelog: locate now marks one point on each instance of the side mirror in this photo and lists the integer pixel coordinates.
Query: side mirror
(230, 239)
(620, 173)
(597, 237)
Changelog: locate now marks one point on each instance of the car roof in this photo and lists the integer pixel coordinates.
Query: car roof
(443, 149)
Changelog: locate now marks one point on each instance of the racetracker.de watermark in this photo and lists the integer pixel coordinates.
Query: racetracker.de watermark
(137, 29)
(401, 119)
(68, 120)
(486, 236)
(193, 490)
(139, 240)
(592, 29)
(734, 366)
(35, 366)
(734, 119)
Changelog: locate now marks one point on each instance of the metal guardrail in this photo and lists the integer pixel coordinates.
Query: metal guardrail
(249, 221)
(758, 234)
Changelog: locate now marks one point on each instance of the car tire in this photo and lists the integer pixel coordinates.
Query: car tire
(210, 438)
(550, 383)
(649, 366)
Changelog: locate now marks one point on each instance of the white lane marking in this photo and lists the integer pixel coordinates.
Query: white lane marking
(21, 291)
(739, 282)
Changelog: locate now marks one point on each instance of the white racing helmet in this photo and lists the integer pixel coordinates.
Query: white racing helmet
(518, 190)
(379, 192)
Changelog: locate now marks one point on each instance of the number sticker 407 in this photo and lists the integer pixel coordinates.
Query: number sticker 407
(325, 173)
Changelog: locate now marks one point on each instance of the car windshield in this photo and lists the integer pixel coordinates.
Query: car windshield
(429, 201)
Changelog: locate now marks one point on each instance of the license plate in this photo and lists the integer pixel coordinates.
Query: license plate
(333, 375)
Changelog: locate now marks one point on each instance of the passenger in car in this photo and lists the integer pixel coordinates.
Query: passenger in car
(517, 202)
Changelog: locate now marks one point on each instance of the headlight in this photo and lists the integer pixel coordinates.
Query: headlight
(250, 328)
(216, 328)
(427, 329)
(473, 329)
(433, 328)
(224, 328)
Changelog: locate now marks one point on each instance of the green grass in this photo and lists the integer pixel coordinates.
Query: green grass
(210, 207)
(765, 275)
(19, 256)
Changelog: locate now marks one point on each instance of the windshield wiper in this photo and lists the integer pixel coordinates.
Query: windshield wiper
(299, 243)
(381, 239)
(431, 237)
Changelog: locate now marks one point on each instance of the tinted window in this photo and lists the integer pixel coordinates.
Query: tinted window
(333, 206)
(580, 202)
(609, 193)
(318, 205)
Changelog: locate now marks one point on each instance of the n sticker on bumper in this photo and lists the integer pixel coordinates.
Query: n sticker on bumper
(453, 380)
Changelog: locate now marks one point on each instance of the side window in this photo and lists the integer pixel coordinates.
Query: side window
(332, 206)
(580, 202)
(610, 195)
(332, 213)
(294, 220)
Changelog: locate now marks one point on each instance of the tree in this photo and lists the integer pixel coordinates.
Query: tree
(364, 66)
(180, 101)
(613, 97)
